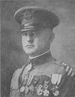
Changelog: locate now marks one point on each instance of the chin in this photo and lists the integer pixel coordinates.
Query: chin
(30, 51)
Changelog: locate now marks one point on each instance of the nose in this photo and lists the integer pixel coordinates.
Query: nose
(29, 38)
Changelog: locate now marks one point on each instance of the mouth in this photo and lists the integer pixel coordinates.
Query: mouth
(30, 46)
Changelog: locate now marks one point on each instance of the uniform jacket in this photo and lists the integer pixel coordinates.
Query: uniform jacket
(51, 79)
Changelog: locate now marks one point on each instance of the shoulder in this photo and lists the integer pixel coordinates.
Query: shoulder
(15, 77)
(63, 74)
(67, 80)
(63, 68)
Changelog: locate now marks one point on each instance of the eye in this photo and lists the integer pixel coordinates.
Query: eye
(24, 33)
(32, 34)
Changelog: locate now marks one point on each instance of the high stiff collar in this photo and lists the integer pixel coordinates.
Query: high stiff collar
(42, 59)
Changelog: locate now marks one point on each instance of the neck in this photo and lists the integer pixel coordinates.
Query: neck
(42, 58)
(33, 57)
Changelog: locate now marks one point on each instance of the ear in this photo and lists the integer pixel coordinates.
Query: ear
(52, 36)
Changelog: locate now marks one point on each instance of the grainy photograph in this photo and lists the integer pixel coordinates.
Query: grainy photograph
(37, 48)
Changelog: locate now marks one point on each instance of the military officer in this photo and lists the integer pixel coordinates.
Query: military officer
(42, 75)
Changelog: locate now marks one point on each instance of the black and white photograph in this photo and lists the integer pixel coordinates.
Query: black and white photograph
(37, 48)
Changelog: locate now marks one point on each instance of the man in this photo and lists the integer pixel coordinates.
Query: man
(42, 75)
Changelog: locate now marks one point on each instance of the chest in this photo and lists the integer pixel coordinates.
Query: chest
(40, 82)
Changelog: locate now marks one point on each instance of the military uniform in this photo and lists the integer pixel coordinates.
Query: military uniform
(42, 76)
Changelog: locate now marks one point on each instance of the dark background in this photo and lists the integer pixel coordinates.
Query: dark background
(12, 55)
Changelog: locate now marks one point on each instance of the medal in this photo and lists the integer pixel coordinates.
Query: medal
(46, 92)
(31, 88)
(39, 90)
(26, 90)
(22, 89)
(56, 93)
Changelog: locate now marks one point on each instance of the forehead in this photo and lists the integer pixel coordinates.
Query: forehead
(41, 32)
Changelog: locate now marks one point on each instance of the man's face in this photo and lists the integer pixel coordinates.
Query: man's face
(36, 42)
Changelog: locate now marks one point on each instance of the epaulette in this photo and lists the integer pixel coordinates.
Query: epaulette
(66, 68)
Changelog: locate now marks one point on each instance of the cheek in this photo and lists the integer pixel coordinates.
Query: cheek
(40, 42)
(36, 41)
(43, 41)
(23, 40)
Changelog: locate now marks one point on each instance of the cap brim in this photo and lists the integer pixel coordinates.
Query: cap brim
(19, 14)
